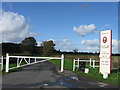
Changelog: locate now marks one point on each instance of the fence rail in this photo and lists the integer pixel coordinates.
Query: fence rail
(92, 63)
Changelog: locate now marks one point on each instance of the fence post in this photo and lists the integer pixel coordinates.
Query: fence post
(62, 62)
(1, 63)
(93, 63)
(90, 62)
(74, 65)
(78, 63)
(7, 62)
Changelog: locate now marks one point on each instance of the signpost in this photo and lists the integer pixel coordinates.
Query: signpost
(105, 52)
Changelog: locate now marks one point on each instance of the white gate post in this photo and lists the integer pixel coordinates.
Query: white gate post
(90, 62)
(62, 62)
(7, 62)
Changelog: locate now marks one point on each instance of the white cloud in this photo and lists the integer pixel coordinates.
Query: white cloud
(94, 42)
(39, 43)
(83, 30)
(107, 25)
(93, 45)
(90, 45)
(64, 45)
(14, 27)
(115, 42)
(115, 45)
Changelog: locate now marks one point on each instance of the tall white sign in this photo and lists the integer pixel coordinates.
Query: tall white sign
(105, 52)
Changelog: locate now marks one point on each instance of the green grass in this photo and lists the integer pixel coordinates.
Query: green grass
(94, 73)
(12, 70)
(115, 59)
(67, 66)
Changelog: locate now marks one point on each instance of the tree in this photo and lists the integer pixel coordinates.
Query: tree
(75, 50)
(48, 47)
(10, 48)
(29, 44)
(29, 41)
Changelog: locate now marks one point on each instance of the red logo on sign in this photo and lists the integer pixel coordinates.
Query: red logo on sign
(104, 39)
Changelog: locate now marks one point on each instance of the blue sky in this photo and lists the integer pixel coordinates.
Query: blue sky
(61, 22)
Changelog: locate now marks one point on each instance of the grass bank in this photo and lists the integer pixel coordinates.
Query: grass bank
(94, 73)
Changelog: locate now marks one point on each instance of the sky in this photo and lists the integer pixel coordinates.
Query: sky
(71, 25)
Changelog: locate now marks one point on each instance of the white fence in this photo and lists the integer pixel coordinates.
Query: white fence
(92, 63)
(1, 63)
(28, 59)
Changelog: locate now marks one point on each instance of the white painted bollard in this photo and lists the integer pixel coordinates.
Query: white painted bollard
(62, 62)
(105, 75)
(93, 63)
(86, 70)
(7, 62)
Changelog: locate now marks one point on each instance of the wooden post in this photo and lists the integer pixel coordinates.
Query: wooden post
(7, 62)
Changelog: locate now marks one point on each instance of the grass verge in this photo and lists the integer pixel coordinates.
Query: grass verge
(94, 73)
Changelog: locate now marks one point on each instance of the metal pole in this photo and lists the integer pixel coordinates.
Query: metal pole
(62, 62)
(7, 62)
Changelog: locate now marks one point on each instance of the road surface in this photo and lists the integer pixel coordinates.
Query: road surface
(47, 75)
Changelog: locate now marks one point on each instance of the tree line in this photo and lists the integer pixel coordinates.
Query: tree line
(28, 46)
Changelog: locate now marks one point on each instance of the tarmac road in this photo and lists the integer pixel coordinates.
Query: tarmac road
(47, 75)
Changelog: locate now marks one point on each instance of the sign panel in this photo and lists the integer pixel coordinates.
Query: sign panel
(105, 51)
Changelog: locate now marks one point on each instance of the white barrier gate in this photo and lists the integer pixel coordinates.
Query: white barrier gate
(21, 58)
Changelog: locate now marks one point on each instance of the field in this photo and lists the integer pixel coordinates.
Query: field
(115, 59)
(94, 72)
